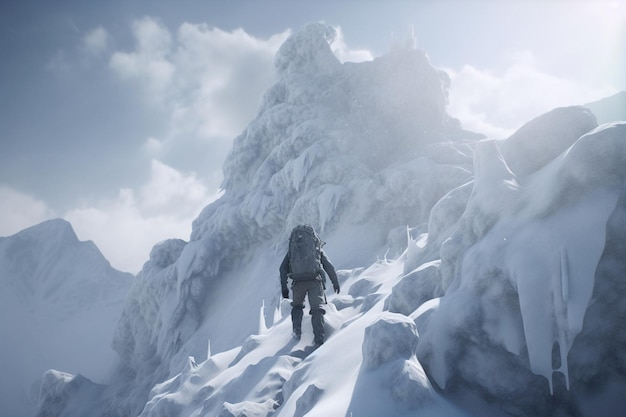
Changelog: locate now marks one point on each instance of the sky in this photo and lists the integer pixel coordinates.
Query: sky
(118, 115)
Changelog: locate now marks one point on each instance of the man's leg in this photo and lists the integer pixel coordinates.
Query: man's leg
(297, 308)
(317, 320)
(317, 300)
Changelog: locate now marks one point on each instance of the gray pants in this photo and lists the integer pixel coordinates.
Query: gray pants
(315, 291)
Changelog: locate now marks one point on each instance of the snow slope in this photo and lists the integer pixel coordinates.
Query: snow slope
(478, 277)
(59, 305)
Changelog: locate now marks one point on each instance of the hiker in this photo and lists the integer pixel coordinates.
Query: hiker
(305, 263)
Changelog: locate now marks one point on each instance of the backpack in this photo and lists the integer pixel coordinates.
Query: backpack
(305, 253)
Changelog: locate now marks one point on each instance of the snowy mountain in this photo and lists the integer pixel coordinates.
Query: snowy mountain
(478, 277)
(609, 109)
(59, 305)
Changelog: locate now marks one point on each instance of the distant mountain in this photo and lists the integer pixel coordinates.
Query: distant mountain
(60, 300)
(609, 109)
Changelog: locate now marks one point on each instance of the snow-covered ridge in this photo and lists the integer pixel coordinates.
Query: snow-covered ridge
(46, 264)
(357, 150)
(498, 284)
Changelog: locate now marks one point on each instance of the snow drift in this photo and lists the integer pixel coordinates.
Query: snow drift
(479, 277)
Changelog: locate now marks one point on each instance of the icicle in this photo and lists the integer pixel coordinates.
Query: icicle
(385, 259)
(262, 325)
(277, 314)
(408, 236)
(565, 335)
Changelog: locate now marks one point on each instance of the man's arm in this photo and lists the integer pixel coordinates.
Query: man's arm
(330, 270)
(284, 270)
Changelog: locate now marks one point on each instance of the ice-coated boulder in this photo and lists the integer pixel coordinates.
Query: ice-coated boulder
(390, 370)
(392, 337)
(307, 401)
(415, 288)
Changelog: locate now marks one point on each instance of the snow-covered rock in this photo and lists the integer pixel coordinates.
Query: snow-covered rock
(523, 267)
(544, 138)
(392, 337)
(63, 394)
(415, 288)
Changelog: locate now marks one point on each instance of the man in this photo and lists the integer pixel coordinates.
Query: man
(305, 263)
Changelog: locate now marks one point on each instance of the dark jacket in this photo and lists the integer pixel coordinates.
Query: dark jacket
(328, 267)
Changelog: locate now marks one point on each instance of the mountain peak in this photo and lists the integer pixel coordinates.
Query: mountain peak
(59, 302)
(48, 261)
(53, 229)
(308, 50)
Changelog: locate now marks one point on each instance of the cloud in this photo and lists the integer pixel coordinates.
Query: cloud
(152, 146)
(19, 211)
(498, 103)
(89, 49)
(149, 63)
(347, 54)
(126, 228)
(206, 82)
(209, 82)
(60, 63)
(170, 192)
(221, 79)
(96, 41)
